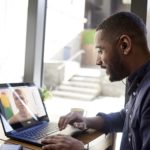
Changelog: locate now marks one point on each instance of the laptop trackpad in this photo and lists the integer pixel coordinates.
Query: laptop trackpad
(70, 130)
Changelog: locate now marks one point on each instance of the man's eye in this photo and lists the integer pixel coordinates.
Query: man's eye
(99, 50)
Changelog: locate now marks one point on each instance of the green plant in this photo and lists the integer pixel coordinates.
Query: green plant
(45, 93)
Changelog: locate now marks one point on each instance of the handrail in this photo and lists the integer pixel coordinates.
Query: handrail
(76, 55)
(72, 58)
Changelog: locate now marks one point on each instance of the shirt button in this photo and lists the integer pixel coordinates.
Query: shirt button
(134, 93)
(129, 139)
(130, 116)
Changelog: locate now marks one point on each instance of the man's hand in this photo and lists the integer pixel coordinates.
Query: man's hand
(73, 118)
(61, 142)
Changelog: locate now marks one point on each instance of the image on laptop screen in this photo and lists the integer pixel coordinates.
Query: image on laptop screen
(21, 106)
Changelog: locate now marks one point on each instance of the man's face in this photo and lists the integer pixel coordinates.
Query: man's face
(109, 57)
(19, 99)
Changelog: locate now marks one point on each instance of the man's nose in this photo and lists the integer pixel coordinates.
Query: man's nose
(99, 61)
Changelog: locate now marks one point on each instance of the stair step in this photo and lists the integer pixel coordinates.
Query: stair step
(81, 84)
(72, 95)
(85, 85)
(79, 89)
(89, 72)
(85, 79)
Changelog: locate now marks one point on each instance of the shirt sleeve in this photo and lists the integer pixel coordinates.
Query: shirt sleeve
(145, 122)
(113, 122)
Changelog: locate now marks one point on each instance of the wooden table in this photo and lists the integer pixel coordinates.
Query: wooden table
(95, 140)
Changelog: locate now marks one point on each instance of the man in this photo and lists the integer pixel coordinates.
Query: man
(123, 51)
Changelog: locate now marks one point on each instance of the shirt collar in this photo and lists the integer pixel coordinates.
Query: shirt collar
(137, 76)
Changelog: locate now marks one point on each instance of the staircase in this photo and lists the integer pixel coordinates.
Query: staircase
(85, 85)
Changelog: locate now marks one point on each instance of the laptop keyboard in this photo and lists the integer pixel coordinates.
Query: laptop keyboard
(39, 131)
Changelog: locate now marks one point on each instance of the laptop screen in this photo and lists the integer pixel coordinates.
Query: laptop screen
(21, 106)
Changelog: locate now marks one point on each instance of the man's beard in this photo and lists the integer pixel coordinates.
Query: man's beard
(116, 70)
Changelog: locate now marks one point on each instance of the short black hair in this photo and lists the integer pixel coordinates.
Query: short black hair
(124, 23)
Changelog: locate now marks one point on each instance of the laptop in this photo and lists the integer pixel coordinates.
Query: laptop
(23, 114)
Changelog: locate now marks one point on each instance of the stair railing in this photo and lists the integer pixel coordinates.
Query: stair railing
(76, 55)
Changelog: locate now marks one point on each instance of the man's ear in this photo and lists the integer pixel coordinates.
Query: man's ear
(125, 44)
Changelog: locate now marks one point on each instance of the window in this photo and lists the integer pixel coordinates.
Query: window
(13, 20)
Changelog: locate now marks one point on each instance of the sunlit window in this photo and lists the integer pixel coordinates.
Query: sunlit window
(63, 23)
(13, 20)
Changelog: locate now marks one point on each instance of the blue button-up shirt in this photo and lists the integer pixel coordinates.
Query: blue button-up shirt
(134, 119)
